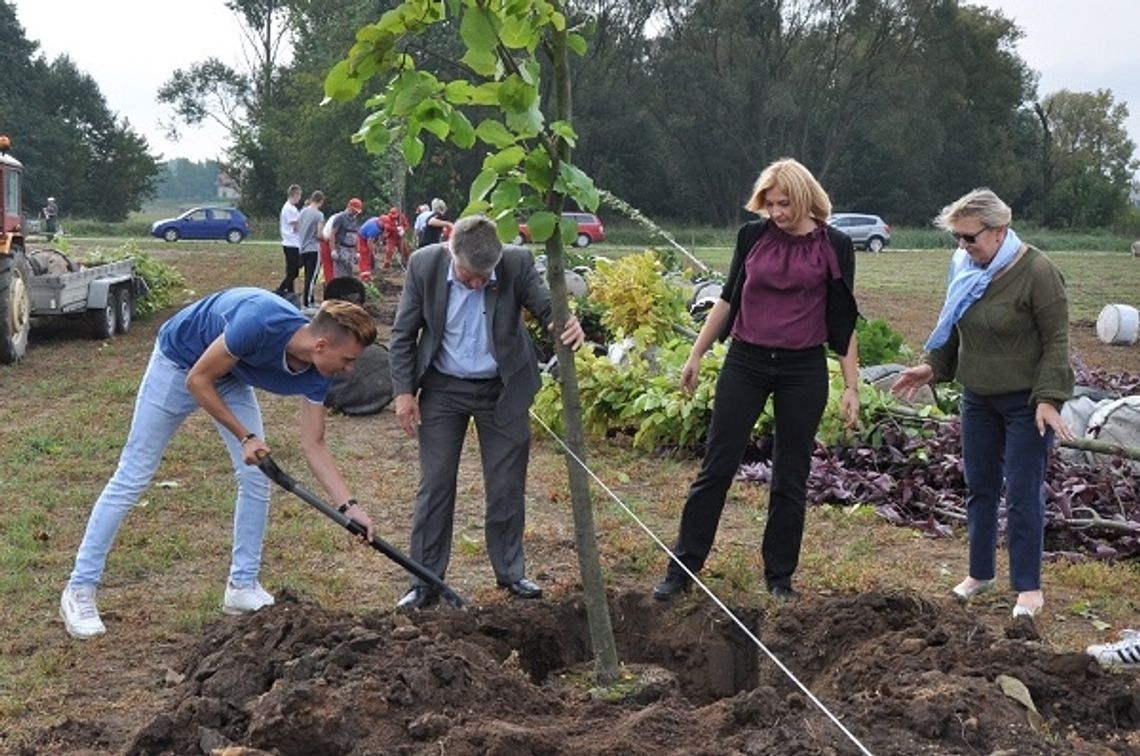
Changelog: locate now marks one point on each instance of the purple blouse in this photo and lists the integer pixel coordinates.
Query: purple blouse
(784, 299)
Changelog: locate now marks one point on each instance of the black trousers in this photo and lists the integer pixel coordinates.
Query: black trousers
(797, 381)
(292, 269)
(309, 260)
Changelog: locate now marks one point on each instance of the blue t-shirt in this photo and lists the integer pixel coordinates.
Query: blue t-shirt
(257, 325)
(371, 228)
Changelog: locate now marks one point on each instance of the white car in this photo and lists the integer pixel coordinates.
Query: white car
(866, 231)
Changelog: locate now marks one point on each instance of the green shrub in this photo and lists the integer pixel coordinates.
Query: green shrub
(1128, 224)
(166, 284)
(641, 397)
(879, 344)
(637, 299)
(590, 314)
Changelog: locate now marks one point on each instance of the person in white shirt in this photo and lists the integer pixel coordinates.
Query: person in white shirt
(423, 212)
(290, 241)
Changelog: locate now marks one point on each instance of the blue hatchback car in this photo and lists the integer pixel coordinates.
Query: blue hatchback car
(212, 222)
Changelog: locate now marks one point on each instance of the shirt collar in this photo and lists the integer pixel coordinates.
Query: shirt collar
(451, 279)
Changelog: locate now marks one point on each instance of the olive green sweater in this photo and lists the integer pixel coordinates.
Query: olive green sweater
(1015, 338)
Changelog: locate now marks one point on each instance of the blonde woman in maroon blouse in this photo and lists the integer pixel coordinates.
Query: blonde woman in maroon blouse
(787, 298)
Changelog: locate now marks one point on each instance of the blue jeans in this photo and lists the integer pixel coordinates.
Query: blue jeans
(162, 404)
(1000, 442)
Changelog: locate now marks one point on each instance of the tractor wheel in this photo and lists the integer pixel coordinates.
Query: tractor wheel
(15, 305)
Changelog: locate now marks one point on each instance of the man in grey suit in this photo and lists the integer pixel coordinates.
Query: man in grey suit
(460, 342)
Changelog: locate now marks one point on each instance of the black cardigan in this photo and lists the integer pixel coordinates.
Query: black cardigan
(842, 311)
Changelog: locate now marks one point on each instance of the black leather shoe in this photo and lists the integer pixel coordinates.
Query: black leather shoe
(523, 588)
(783, 593)
(670, 585)
(420, 597)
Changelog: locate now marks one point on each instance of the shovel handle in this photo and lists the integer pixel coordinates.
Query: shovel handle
(266, 464)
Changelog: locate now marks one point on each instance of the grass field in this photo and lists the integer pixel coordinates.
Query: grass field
(64, 419)
(1094, 278)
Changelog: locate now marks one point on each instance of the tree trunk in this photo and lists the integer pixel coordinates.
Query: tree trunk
(1047, 168)
(399, 179)
(593, 587)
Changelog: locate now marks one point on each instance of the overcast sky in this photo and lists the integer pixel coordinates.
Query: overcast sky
(130, 47)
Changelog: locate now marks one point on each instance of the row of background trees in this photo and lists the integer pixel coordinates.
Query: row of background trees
(897, 105)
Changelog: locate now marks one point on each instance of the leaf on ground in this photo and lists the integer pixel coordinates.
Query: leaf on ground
(1015, 689)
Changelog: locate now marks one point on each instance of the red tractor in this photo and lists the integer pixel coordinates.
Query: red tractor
(15, 272)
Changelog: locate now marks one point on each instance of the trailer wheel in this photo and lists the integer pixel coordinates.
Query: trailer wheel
(103, 319)
(15, 305)
(124, 308)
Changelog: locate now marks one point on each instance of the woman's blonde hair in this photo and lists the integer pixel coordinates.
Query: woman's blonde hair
(345, 319)
(982, 204)
(791, 177)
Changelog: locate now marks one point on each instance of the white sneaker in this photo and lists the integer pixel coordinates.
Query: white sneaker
(78, 611)
(244, 600)
(971, 587)
(1124, 654)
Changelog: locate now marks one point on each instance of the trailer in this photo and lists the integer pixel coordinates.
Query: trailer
(48, 284)
(106, 294)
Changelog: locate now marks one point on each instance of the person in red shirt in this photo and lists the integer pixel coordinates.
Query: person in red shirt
(395, 225)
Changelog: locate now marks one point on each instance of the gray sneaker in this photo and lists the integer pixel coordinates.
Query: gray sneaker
(245, 600)
(78, 611)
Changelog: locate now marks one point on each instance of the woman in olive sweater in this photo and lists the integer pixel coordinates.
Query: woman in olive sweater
(1004, 334)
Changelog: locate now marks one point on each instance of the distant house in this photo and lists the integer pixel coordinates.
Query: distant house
(226, 187)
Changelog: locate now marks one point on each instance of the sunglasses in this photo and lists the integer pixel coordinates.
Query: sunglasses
(969, 238)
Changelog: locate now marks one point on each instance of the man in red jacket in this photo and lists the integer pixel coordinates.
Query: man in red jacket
(395, 225)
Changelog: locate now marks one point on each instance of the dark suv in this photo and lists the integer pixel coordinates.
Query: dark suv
(866, 231)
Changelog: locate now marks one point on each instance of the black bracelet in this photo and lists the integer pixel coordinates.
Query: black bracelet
(346, 506)
(248, 437)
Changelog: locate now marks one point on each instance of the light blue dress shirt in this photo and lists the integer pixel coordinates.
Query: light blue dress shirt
(466, 348)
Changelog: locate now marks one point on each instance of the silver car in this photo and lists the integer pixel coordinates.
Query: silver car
(866, 231)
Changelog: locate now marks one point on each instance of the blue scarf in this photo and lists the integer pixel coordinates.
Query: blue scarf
(968, 282)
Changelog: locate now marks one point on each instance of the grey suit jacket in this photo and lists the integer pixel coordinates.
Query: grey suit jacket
(417, 333)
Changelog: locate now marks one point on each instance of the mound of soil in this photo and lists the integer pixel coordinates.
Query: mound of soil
(903, 675)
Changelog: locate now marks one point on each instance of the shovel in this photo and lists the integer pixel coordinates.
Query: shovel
(286, 481)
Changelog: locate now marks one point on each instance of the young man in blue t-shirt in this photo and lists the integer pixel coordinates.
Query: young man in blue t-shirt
(368, 246)
(213, 354)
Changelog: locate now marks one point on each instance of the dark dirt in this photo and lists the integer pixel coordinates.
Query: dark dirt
(904, 675)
